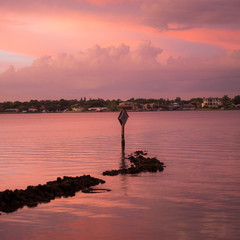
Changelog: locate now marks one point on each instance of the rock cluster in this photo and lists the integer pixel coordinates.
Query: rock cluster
(10, 200)
(139, 163)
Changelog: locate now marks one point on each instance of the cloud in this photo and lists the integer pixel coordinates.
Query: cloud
(8, 58)
(160, 14)
(101, 2)
(122, 72)
(51, 27)
(187, 14)
(187, 28)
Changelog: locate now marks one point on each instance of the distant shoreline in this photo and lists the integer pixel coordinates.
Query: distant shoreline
(134, 105)
(196, 110)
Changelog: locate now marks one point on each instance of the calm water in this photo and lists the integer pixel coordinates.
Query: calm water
(196, 197)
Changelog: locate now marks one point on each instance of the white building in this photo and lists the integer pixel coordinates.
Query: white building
(211, 102)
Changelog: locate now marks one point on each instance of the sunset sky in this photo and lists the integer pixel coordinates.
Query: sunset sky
(53, 49)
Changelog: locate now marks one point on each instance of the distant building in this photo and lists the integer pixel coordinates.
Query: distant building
(174, 106)
(237, 106)
(150, 106)
(127, 105)
(77, 109)
(211, 102)
(98, 109)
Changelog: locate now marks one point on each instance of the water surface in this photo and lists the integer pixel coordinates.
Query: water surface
(196, 197)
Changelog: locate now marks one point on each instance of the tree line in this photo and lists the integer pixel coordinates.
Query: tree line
(58, 105)
(112, 105)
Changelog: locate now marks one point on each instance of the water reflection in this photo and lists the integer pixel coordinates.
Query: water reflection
(197, 197)
(123, 162)
(123, 178)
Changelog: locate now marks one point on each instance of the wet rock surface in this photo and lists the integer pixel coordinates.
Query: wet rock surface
(10, 200)
(139, 163)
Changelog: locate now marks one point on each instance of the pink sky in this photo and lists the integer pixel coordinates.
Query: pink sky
(119, 49)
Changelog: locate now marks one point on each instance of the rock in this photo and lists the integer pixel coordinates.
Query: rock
(10, 200)
(139, 163)
(111, 173)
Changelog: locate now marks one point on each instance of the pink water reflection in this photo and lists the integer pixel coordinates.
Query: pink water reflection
(196, 197)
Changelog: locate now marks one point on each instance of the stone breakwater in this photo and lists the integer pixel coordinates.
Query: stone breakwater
(11, 201)
(139, 163)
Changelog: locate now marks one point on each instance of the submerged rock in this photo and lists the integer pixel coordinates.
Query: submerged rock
(139, 163)
(10, 200)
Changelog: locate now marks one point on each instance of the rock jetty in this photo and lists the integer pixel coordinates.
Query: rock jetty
(139, 163)
(10, 200)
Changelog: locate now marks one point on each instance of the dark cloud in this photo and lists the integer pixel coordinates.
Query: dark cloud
(161, 14)
(186, 14)
(121, 72)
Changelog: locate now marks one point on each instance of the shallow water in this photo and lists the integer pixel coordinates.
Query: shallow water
(197, 196)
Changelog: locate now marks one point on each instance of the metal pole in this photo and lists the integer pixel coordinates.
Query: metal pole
(123, 116)
(123, 137)
(123, 164)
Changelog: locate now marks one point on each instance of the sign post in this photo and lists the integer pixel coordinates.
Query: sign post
(123, 117)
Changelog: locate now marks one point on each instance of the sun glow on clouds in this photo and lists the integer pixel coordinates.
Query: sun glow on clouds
(227, 39)
(53, 30)
(69, 32)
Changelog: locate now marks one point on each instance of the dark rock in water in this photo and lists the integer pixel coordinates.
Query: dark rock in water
(10, 200)
(139, 163)
(95, 190)
(111, 172)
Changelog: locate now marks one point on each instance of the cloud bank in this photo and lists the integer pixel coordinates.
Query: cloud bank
(187, 14)
(122, 72)
(51, 27)
(162, 14)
